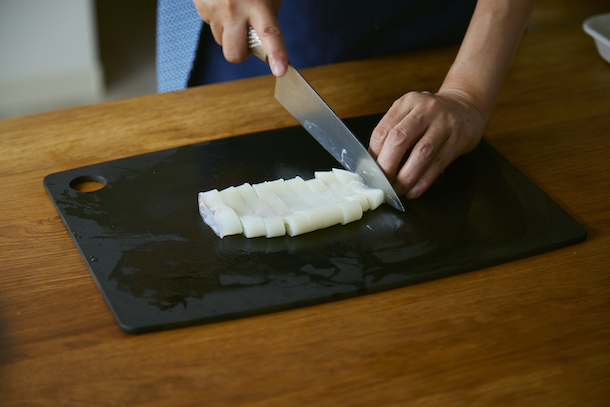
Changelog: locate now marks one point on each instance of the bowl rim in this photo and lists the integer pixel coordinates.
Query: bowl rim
(589, 29)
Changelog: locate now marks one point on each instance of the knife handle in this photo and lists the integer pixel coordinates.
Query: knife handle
(255, 45)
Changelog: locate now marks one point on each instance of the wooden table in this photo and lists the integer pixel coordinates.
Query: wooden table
(530, 332)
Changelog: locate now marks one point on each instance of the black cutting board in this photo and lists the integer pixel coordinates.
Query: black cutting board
(159, 266)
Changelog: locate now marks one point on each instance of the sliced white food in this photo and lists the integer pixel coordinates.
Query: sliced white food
(354, 182)
(274, 223)
(351, 208)
(331, 180)
(286, 194)
(265, 191)
(324, 208)
(221, 218)
(299, 223)
(293, 207)
(352, 211)
(330, 214)
(318, 186)
(251, 222)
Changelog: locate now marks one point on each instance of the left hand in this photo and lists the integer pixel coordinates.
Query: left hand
(440, 127)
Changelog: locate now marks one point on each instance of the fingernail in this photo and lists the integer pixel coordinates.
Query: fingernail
(278, 68)
(413, 193)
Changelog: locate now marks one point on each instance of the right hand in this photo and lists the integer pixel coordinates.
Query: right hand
(229, 20)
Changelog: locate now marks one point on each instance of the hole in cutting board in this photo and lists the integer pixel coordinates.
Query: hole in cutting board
(88, 183)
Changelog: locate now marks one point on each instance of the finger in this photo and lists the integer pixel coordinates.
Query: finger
(203, 10)
(217, 30)
(444, 156)
(382, 130)
(268, 31)
(420, 159)
(399, 140)
(234, 41)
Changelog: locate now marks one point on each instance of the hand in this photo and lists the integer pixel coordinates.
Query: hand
(440, 127)
(229, 20)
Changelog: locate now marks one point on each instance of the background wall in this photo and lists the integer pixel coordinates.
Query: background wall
(126, 31)
(64, 53)
(56, 54)
(48, 54)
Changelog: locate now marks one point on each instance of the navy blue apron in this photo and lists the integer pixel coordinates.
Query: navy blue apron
(320, 32)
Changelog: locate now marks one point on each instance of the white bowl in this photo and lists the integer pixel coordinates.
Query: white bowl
(598, 27)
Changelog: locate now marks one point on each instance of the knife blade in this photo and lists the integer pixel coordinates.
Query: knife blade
(312, 112)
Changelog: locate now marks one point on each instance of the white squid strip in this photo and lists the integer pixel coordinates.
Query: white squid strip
(331, 180)
(252, 223)
(299, 223)
(265, 191)
(302, 190)
(282, 190)
(293, 207)
(321, 207)
(274, 223)
(352, 210)
(354, 182)
(221, 218)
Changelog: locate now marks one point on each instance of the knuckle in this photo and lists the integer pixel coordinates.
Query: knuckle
(375, 148)
(406, 99)
(419, 118)
(438, 161)
(270, 31)
(424, 149)
(230, 9)
(398, 137)
(380, 132)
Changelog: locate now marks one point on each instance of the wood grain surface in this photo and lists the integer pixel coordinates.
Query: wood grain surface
(534, 332)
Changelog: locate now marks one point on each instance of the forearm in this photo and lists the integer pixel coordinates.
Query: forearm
(487, 51)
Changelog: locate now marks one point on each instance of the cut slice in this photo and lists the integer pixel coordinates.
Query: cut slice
(221, 218)
(252, 223)
(354, 182)
(274, 223)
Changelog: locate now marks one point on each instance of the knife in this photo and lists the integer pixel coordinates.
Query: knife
(304, 103)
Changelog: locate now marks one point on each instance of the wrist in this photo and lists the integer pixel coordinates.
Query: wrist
(481, 108)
